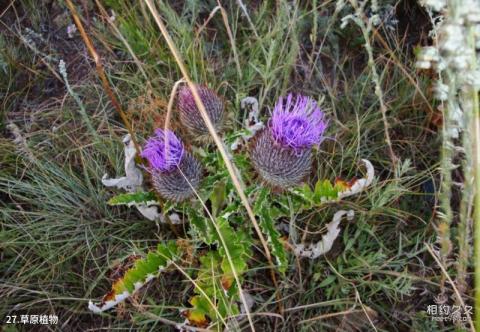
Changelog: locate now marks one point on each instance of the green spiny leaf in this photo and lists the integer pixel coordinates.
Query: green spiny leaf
(210, 284)
(152, 264)
(218, 197)
(142, 271)
(263, 209)
(236, 245)
(201, 226)
(324, 191)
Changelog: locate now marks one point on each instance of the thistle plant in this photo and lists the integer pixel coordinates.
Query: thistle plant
(282, 152)
(190, 116)
(297, 124)
(176, 174)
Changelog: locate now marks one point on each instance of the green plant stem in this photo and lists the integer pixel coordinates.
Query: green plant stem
(477, 209)
(476, 216)
(445, 217)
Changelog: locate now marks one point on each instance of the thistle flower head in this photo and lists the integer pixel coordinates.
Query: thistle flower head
(190, 116)
(175, 173)
(164, 151)
(279, 166)
(282, 153)
(297, 122)
(180, 183)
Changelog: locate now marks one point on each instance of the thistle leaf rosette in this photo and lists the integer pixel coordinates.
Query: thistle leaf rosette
(282, 152)
(190, 116)
(176, 174)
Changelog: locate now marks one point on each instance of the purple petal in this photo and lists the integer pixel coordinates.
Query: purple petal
(160, 156)
(297, 122)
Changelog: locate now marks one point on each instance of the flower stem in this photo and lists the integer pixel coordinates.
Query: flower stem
(476, 164)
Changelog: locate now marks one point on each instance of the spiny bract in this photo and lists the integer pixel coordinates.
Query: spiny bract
(176, 174)
(190, 116)
(282, 153)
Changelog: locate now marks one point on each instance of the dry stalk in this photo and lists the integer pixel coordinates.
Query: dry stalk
(101, 73)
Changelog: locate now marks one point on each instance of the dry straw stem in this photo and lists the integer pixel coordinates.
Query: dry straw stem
(366, 28)
(124, 41)
(169, 112)
(455, 290)
(216, 138)
(200, 289)
(402, 68)
(101, 72)
(477, 214)
(232, 40)
(330, 315)
(364, 309)
(229, 33)
(177, 326)
(252, 26)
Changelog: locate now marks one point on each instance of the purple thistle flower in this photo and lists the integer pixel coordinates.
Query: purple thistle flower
(190, 116)
(282, 152)
(176, 174)
(161, 157)
(297, 123)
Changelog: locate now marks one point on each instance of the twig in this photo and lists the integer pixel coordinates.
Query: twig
(169, 113)
(333, 314)
(402, 68)
(232, 40)
(229, 33)
(357, 295)
(455, 290)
